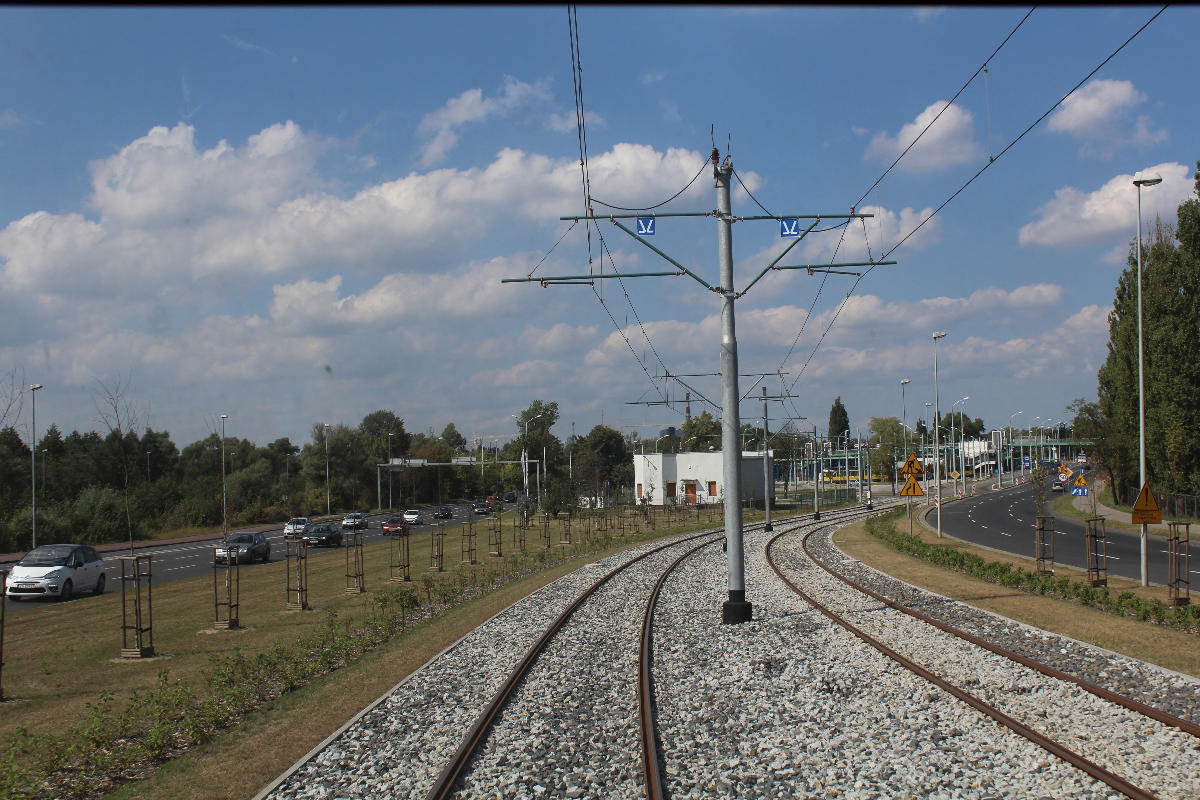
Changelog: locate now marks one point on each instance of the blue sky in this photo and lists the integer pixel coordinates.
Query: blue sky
(302, 215)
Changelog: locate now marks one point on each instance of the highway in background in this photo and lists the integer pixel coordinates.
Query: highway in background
(1005, 520)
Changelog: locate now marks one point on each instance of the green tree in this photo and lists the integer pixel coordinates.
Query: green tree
(704, 429)
(1170, 293)
(839, 420)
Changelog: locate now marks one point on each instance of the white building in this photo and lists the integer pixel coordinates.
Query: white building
(690, 478)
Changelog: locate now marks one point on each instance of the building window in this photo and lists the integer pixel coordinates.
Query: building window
(639, 491)
(712, 488)
(670, 490)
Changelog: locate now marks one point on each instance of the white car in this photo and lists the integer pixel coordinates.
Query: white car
(58, 570)
(412, 516)
(296, 526)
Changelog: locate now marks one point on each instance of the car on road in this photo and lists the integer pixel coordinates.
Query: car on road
(480, 508)
(510, 497)
(445, 512)
(354, 521)
(245, 547)
(56, 570)
(1057, 486)
(412, 516)
(394, 525)
(296, 526)
(324, 533)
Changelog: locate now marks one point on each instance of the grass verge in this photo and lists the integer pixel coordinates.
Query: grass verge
(219, 713)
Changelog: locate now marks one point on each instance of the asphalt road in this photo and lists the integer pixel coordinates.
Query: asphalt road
(177, 561)
(1006, 519)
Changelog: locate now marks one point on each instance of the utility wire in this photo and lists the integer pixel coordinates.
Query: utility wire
(538, 265)
(600, 202)
(1032, 125)
(982, 68)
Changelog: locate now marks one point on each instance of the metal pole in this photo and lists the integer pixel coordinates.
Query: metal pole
(816, 476)
(766, 468)
(328, 504)
(937, 468)
(904, 414)
(33, 389)
(736, 609)
(390, 435)
(1141, 390)
(224, 506)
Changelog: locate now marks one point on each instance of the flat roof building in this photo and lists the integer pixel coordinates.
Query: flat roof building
(691, 478)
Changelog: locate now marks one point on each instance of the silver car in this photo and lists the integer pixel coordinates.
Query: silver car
(296, 526)
(245, 546)
(56, 570)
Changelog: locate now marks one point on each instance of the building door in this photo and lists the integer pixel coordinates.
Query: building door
(691, 492)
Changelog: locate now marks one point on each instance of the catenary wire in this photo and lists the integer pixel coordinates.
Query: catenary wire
(600, 202)
(538, 265)
(1022, 134)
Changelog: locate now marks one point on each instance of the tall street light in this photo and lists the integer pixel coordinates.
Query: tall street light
(962, 462)
(524, 449)
(390, 506)
(224, 512)
(904, 413)
(937, 415)
(1140, 180)
(325, 435)
(924, 474)
(1010, 447)
(33, 388)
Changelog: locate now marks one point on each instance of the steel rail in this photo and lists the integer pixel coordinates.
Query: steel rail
(1045, 669)
(443, 788)
(1071, 757)
(651, 766)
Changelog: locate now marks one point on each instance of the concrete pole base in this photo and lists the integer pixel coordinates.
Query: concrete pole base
(736, 609)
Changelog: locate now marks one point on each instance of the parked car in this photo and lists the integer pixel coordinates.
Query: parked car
(324, 533)
(57, 570)
(445, 512)
(412, 516)
(355, 521)
(246, 546)
(296, 526)
(394, 525)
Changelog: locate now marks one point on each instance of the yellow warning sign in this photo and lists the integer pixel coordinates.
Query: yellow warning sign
(912, 488)
(1145, 509)
(1080, 481)
(912, 466)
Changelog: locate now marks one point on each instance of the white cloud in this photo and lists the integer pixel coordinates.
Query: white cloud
(883, 231)
(651, 77)
(9, 120)
(928, 13)
(566, 122)
(242, 44)
(1097, 115)
(471, 106)
(1078, 219)
(950, 141)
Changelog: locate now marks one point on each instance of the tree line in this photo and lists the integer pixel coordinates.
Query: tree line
(127, 484)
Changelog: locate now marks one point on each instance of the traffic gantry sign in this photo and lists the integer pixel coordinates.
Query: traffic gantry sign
(1145, 508)
(912, 488)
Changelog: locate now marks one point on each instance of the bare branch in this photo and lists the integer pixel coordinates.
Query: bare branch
(12, 397)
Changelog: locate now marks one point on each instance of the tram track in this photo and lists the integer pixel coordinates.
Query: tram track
(1027, 729)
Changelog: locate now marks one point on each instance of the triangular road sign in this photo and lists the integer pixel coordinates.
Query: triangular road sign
(1145, 509)
(912, 466)
(1080, 481)
(912, 488)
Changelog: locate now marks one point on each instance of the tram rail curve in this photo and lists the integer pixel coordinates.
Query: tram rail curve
(1056, 748)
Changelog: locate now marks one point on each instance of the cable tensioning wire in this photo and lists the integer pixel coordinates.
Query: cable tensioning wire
(600, 202)
(629, 300)
(538, 265)
(963, 88)
(1032, 125)
(628, 344)
(580, 120)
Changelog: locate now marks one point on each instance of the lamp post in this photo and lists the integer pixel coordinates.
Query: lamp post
(328, 493)
(147, 467)
(390, 506)
(904, 413)
(1011, 444)
(33, 388)
(524, 451)
(925, 474)
(937, 469)
(224, 508)
(962, 441)
(1140, 180)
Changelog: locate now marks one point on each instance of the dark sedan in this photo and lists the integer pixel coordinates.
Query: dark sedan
(245, 546)
(324, 533)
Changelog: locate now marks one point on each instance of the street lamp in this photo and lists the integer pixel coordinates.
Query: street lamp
(33, 387)
(937, 414)
(147, 466)
(925, 474)
(524, 450)
(1010, 447)
(390, 506)
(904, 413)
(325, 436)
(224, 512)
(962, 463)
(1140, 180)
